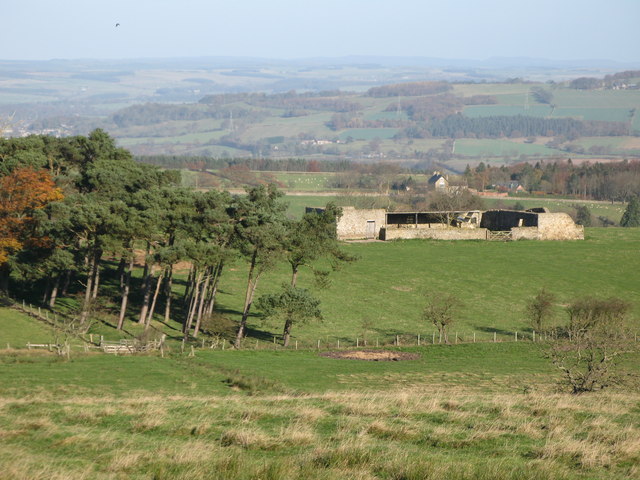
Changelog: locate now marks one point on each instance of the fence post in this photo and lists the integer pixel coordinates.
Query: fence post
(494, 337)
(418, 339)
(534, 336)
(397, 340)
(338, 343)
(296, 344)
(516, 335)
(433, 339)
(318, 344)
(474, 337)
(223, 340)
(376, 341)
(357, 342)
(456, 337)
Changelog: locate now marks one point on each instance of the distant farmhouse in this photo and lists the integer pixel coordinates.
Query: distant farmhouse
(438, 182)
(441, 183)
(532, 224)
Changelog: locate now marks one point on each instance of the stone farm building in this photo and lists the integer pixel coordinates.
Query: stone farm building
(533, 224)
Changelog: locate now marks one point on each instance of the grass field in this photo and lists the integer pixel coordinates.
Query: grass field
(483, 411)
(467, 411)
(501, 147)
(311, 181)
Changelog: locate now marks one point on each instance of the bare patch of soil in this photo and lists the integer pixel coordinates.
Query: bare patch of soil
(371, 355)
(402, 289)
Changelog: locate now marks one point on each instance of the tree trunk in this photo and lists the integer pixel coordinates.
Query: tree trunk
(294, 276)
(188, 291)
(203, 297)
(67, 282)
(4, 278)
(167, 292)
(121, 270)
(214, 288)
(145, 274)
(96, 273)
(84, 314)
(47, 288)
(96, 280)
(54, 292)
(193, 306)
(286, 334)
(126, 288)
(155, 299)
(145, 299)
(252, 284)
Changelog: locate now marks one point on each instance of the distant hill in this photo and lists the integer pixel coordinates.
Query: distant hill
(357, 108)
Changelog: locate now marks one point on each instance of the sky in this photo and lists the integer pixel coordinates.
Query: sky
(290, 29)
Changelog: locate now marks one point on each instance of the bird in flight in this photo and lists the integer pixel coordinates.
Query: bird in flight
(117, 24)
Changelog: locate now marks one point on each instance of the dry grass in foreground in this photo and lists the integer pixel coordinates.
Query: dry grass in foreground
(409, 434)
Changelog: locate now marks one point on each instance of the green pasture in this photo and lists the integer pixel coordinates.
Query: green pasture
(601, 114)
(567, 97)
(478, 111)
(313, 124)
(485, 411)
(17, 329)
(487, 364)
(311, 181)
(298, 203)
(385, 288)
(368, 133)
(197, 137)
(471, 147)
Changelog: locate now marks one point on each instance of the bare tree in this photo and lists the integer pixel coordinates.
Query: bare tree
(540, 309)
(440, 311)
(586, 352)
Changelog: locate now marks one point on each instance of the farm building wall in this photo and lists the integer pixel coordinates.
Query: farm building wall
(439, 232)
(356, 224)
(533, 225)
(558, 226)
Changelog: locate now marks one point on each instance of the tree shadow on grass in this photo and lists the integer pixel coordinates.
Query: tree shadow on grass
(498, 331)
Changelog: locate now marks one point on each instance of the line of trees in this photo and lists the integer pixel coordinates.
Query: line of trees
(614, 181)
(93, 211)
(460, 126)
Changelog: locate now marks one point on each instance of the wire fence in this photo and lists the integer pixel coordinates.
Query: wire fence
(218, 342)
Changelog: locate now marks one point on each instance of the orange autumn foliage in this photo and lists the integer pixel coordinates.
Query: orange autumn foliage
(21, 193)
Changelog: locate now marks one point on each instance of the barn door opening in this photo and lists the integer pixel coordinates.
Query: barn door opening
(371, 229)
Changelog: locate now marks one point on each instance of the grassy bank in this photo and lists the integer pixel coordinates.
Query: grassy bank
(462, 412)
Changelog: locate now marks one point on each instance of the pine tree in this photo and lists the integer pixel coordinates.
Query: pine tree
(631, 216)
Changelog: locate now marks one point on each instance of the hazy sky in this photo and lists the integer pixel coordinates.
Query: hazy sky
(460, 29)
